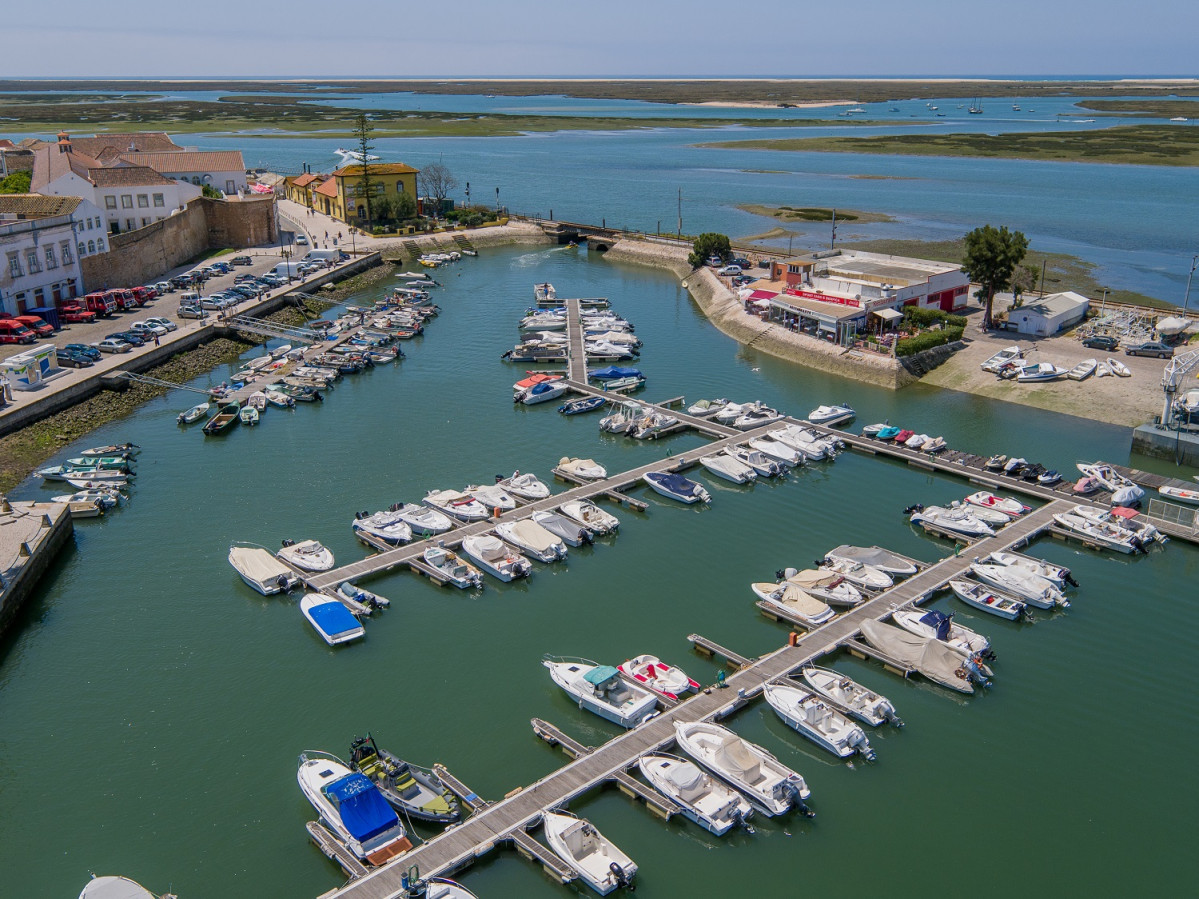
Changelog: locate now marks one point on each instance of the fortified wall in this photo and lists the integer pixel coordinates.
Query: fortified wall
(206, 224)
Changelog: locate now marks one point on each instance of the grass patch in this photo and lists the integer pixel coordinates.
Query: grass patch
(1165, 109)
(814, 214)
(1125, 144)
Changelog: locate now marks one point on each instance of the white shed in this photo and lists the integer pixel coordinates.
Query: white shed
(1050, 314)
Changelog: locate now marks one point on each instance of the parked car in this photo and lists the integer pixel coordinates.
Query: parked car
(180, 281)
(90, 351)
(244, 278)
(130, 337)
(739, 260)
(74, 314)
(301, 240)
(72, 359)
(162, 323)
(1101, 342)
(1150, 348)
(241, 260)
(214, 303)
(15, 332)
(188, 310)
(148, 330)
(729, 270)
(113, 345)
(163, 287)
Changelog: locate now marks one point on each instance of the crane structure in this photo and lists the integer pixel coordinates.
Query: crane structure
(1172, 378)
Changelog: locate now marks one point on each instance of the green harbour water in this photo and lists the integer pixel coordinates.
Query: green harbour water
(152, 706)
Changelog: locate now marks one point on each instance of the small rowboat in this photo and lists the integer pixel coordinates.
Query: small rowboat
(194, 414)
(113, 449)
(249, 415)
(223, 420)
(1181, 494)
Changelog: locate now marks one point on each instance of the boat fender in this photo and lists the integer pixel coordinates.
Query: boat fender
(793, 639)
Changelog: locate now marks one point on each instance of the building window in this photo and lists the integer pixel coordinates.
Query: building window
(82, 249)
(399, 187)
(99, 245)
(110, 202)
(14, 265)
(160, 218)
(196, 180)
(39, 296)
(143, 201)
(91, 246)
(126, 201)
(66, 253)
(31, 262)
(130, 224)
(51, 260)
(145, 222)
(158, 200)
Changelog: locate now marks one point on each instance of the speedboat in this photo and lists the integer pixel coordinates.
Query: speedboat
(986, 600)
(352, 807)
(453, 568)
(537, 377)
(824, 585)
(390, 527)
(1057, 575)
(307, 555)
(769, 785)
(652, 672)
(986, 500)
(706, 800)
(423, 520)
(993, 517)
(729, 412)
(706, 408)
(601, 689)
(675, 486)
(261, 570)
(809, 714)
(583, 848)
(415, 791)
(937, 661)
(529, 536)
(493, 496)
(653, 425)
(755, 415)
(939, 626)
(809, 444)
(112, 449)
(727, 467)
(358, 598)
(194, 414)
(111, 886)
(784, 455)
(1125, 519)
(832, 415)
(457, 505)
(916, 441)
(955, 521)
(874, 556)
(1105, 475)
(496, 557)
(859, 573)
(1083, 370)
(103, 497)
(1106, 535)
(560, 526)
(622, 419)
(614, 373)
(1040, 371)
(795, 601)
(526, 486)
(586, 469)
(865, 705)
(331, 619)
(248, 415)
(586, 404)
(590, 516)
(763, 465)
(1024, 585)
(540, 393)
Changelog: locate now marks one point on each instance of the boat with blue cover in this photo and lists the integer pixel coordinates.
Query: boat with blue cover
(586, 404)
(614, 372)
(540, 393)
(331, 619)
(890, 432)
(352, 807)
(677, 487)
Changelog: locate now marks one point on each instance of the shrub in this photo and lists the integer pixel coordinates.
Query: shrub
(909, 346)
(926, 317)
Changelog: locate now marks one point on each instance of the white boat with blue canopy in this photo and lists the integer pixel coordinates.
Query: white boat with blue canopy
(331, 619)
(675, 486)
(601, 689)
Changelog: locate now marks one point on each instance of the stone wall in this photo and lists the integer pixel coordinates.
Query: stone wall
(145, 255)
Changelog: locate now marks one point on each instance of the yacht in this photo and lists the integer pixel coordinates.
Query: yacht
(390, 527)
(811, 716)
(590, 516)
(770, 786)
(728, 467)
(532, 538)
(602, 690)
(457, 505)
(453, 568)
(496, 558)
(865, 705)
(352, 807)
(706, 800)
(583, 848)
(261, 570)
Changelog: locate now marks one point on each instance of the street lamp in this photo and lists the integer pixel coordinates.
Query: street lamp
(1187, 299)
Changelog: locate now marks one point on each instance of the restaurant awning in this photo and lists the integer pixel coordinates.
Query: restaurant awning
(887, 315)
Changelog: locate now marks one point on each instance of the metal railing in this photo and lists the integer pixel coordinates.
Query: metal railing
(1172, 513)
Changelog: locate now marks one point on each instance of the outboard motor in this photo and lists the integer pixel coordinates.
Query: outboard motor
(975, 673)
(358, 516)
(289, 543)
(618, 874)
(915, 507)
(792, 790)
(394, 507)
(740, 820)
(1069, 579)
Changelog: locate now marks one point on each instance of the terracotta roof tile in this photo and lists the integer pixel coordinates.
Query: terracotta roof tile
(127, 176)
(37, 206)
(144, 141)
(189, 160)
(328, 188)
(377, 168)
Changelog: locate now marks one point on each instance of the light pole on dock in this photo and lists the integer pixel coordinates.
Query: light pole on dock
(1187, 298)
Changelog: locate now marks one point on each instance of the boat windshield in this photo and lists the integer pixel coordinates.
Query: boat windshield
(600, 675)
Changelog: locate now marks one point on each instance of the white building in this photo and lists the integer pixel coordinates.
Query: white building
(872, 277)
(1048, 315)
(223, 169)
(40, 265)
(90, 231)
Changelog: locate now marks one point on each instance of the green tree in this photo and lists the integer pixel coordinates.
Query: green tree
(16, 183)
(405, 207)
(363, 129)
(709, 244)
(991, 257)
(211, 192)
(385, 210)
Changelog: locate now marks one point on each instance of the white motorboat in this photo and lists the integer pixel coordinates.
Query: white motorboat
(993, 517)
(775, 449)
(1125, 519)
(1008, 506)
(875, 557)
(278, 398)
(652, 672)
(859, 573)
(808, 444)
(424, 520)
(390, 527)
(307, 555)
(1024, 585)
(1180, 494)
(453, 568)
(492, 496)
(331, 619)
(706, 408)
(1105, 475)
(601, 689)
(934, 446)
(82, 480)
(865, 705)
(1002, 358)
(540, 393)
(1083, 370)
(457, 505)
(195, 413)
(832, 415)
(653, 425)
(590, 516)
(955, 521)
(764, 466)
(875, 429)
(709, 802)
(357, 598)
(729, 468)
(937, 661)
(526, 486)
(769, 785)
(352, 807)
(987, 600)
(1058, 575)
(1119, 368)
(729, 412)
(1104, 535)
(260, 569)
(622, 418)
(939, 626)
(1040, 371)
(496, 557)
(597, 859)
(675, 486)
(103, 498)
(442, 888)
(755, 415)
(916, 441)
(795, 601)
(532, 538)
(812, 717)
(586, 469)
(824, 585)
(573, 533)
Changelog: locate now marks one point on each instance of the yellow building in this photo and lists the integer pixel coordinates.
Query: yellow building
(299, 188)
(342, 195)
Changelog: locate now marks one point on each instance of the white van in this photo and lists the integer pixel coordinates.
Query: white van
(323, 256)
(189, 298)
(287, 270)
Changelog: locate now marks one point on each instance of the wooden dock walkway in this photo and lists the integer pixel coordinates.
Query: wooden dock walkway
(703, 425)
(576, 352)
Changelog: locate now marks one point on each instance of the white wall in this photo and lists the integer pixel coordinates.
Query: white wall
(130, 214)
(222, 181)
(60, 270)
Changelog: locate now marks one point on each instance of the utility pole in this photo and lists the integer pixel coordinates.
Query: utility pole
(680, 213)
(1187, 299)
(832, 244)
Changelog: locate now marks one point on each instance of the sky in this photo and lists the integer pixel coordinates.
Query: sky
(604, 38)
